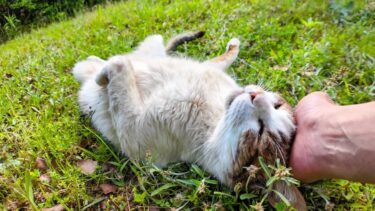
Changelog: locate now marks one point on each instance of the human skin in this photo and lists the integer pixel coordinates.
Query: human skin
(333, 141)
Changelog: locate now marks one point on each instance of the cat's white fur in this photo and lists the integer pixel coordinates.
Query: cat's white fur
(175, 109)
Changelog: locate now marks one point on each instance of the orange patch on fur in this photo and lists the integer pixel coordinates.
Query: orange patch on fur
(226, 55)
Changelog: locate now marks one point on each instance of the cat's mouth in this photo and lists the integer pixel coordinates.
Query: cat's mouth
(261, 127)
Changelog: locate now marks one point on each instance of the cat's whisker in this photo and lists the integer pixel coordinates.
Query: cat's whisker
(260, 83)
(280, 154)
(263, 85)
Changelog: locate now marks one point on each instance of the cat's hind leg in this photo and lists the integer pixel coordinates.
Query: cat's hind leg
(152, 46)
(225, 60)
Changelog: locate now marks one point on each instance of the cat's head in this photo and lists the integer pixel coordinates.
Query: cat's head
(266, 126)
(257, 110)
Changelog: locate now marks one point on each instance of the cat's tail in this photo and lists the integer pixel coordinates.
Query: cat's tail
(88, 68)
(182, 38)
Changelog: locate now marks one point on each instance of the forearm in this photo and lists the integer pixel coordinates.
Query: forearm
(350, 145)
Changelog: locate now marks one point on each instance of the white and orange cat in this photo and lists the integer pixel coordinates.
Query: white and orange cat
(178, 109)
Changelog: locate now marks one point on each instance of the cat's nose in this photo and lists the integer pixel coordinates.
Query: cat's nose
(253, 95)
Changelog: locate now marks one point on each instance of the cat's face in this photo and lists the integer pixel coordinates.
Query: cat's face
(265, 122)
(254, 109)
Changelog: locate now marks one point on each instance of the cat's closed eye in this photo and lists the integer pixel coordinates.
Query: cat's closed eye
(280, 102)
(277, 105)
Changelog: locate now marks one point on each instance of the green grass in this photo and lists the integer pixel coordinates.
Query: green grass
(20, 16)
(325, 45)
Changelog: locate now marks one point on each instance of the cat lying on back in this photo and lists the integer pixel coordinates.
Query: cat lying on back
(179, 109)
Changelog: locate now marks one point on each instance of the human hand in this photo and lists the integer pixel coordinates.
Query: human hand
(308, 159)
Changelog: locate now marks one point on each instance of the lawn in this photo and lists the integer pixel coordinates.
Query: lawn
(293, 47)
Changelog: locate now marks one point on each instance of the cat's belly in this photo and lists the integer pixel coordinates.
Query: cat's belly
(173, 131)
(183, 104)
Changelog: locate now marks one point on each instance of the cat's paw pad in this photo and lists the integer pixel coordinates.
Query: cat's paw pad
(234, 43)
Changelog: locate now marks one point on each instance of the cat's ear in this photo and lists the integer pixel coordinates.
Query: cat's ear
(225, 60)
(102, 78)
(117, 66)
(290, 192)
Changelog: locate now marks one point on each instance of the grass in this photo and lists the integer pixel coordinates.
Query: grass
(293, 47)
(20, 16)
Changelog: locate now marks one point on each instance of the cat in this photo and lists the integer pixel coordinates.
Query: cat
(148, 103)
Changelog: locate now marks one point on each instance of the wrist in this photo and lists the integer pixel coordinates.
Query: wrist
(332, 143)
(347, 137)
(312, 159)
(326, 137)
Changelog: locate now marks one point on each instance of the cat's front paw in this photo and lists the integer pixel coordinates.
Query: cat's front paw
(116, 68)
(233, 44)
